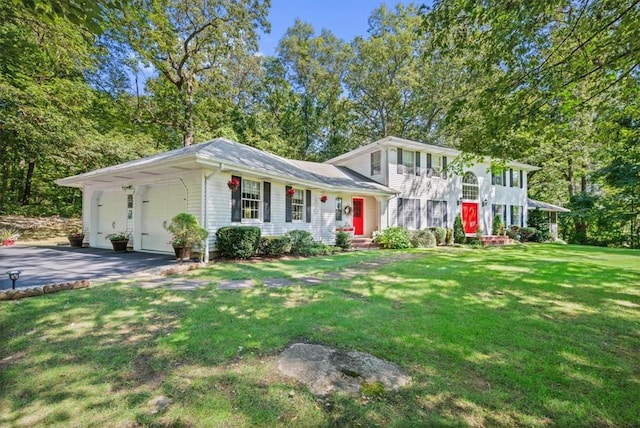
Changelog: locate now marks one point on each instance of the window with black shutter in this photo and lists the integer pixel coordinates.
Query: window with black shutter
(288, 215)
(236, 200)
(308, 203)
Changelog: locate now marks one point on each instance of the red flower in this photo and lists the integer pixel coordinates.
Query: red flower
(291, 192)
(233, 184)
(323, 198)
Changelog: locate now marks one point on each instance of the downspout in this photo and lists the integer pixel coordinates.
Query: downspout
(205, 211)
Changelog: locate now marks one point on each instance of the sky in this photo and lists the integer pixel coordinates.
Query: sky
(346, 19)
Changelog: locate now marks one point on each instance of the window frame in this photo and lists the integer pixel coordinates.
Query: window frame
(296, 203)
(256, 202)
(440, 206)
(338, 207)
(376, 162)
(406, 168)
(470, 191)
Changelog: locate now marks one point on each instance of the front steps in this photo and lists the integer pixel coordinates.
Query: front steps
(364, 244)
(496, 240)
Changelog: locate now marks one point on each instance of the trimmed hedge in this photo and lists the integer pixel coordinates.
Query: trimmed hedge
(423, 238)
(343, 240)
(238, 242)
(274, 246)
(440, 233)
(395, 238)
(301, 242)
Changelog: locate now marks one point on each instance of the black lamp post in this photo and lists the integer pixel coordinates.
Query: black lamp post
(13, 276)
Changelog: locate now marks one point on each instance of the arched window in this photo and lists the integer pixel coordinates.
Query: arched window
(469, 186)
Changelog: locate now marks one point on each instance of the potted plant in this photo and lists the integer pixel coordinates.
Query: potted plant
(119, 240)
(233, 184)
(75, 238)
(323, 198)
(8, 236)
(291, 192)
(187, 233)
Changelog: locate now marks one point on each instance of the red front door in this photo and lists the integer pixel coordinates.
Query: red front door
(358, 216)
(470, 217)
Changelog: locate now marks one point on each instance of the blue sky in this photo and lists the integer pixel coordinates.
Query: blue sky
(345, 18)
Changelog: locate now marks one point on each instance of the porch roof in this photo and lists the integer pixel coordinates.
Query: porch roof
(543, 206)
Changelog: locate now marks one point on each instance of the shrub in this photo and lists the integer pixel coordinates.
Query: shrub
(396, 238)
(440, 234)
(274, 246)
(343, 240)
(423, 239)
(238, 242)
(497, 225)
(527, 234)
(459, 236)
(320, 249)
(301, 242)
(514, 232)
(538, 220)
(449, 239)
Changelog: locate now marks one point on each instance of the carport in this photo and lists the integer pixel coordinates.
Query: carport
(47, 265)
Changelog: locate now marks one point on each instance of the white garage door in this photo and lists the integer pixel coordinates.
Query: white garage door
(159, 205)
(111, 216)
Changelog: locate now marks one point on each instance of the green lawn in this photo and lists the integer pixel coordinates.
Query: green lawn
(530, 335)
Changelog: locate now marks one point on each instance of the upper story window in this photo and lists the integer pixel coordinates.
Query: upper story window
(499, 178)
(469, 186)
(375, 163)
(250, 200)
(297, 205)
(407, 162)
(436, 165)
(516, 178)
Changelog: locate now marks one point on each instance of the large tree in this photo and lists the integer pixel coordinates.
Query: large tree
(187, 42)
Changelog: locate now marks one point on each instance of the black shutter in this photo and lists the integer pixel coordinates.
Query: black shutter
(521, 181)
(308, 205)
(236, 201)
(418, 214)
(266, 202)
(418, 163)
(493, 210)
(399, 214)
(493, 178)
(287, 205)
(504, 177)
(429, 213)
(400, 167)
(428, 160)
(504, 215)
(444, 167)
(511, 177)
(445, 221)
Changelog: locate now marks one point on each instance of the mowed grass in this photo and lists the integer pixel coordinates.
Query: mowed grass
(536, 335)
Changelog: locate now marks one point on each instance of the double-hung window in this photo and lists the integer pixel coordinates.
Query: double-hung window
(250, 200)
(437, 213)
(408, 215)
(338, 209)
(375, 163)
(297, 205)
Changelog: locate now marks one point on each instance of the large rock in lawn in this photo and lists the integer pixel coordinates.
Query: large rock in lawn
(325, 370)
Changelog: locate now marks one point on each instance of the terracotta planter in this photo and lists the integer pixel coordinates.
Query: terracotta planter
(8, 242)
(120, 246)
(75, 242)
(182, 253)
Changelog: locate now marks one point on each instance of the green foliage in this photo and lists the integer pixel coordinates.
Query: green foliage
(538, 220)
(186, 231)
(343, 240)
(238, 242)
(513, 232)
(497, 227)
(459, 237)
(528, 234)
(372, 390)
(394, 238)
(449, 237)
(423, 239)
(440, 234)
(274, 246)
(301, 242)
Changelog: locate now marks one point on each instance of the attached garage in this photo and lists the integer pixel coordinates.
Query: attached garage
(159, 204)
(110, 215)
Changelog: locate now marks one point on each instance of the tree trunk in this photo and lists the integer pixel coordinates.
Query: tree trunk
(188, 115)
(572, 187)
(26, 196)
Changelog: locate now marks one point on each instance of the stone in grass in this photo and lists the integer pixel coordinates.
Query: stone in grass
(159, 404)
(325, 370)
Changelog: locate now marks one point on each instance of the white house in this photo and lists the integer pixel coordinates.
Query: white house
(386, 183)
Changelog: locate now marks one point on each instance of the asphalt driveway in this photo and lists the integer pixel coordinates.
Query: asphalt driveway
(47, 265)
